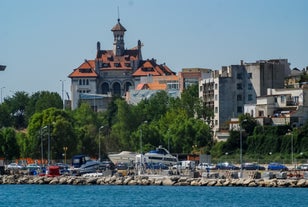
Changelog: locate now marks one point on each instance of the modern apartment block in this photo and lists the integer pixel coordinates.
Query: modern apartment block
(230, 88)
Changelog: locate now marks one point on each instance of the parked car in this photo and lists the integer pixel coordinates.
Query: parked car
(205, 166)
(64, 168)
(226, 166)
(277, 166)
(302, 167)
(156, 165)
(252, 166)
(14, 166)
(33, 167)
(184, 164)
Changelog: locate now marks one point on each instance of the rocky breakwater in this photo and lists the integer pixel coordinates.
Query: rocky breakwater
(151, 180)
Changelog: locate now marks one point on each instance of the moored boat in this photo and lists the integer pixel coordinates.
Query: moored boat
(123, 157)
(160, 155)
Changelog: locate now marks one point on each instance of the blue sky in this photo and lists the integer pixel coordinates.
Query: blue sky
(41, 42)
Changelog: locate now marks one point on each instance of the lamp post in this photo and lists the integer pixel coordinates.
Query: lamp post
(241, 149)
(141, 137)
(1, 92)
(65, 149)
(63, 94)
(42, 148)
(99, 143)
(48, 144)
(292, 147)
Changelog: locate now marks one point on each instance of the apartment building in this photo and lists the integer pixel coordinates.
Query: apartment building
(228, 90)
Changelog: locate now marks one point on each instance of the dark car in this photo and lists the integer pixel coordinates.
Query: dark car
(155, 166)
(252, 166)
(277, 166)
(226, 166)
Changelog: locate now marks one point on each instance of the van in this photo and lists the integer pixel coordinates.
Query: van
(185, 164)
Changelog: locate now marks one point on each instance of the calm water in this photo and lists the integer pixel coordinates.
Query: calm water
(143, 196)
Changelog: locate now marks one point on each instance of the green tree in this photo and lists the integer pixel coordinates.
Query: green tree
(9, 147)
(17, 108)
(53, 124)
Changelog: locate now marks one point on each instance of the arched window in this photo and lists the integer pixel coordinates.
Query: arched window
(116, 89)
(127, 85)
(105, 88)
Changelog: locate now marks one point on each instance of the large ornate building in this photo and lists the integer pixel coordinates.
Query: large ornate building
(112, 72)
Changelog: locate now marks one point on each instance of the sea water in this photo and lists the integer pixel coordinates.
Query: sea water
(143, 196)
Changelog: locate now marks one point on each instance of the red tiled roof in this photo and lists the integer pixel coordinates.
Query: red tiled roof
(109, 61)
(86, 69)
(149, 67)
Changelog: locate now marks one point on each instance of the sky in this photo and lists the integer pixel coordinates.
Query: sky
(42, 42)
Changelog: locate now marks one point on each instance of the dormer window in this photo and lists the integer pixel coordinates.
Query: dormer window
(117, 65)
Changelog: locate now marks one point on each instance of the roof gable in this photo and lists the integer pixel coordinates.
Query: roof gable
(86, 69)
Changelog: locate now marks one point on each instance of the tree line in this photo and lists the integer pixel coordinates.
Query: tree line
(179, 124)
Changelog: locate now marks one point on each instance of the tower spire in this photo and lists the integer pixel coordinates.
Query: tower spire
(118, 14)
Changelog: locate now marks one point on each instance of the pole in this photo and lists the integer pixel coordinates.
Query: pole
(241, 152)
(63, 94)
(65, 149)
(99, 143)
(42, 158)
(292, 148)
(1, 93)
(140, 140)
(48, 144)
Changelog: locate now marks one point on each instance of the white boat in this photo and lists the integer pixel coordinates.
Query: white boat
(160, 155)
(123, 157)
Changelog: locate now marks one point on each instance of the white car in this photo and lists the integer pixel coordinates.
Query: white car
(205, 166)
(14, 166)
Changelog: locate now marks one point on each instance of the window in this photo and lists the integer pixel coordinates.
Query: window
(239, 97)
(239, 86)
(282, 99)
(250, 98)
(239, 76)
(216, 109)
(83, 82)
(215, 85)
(215, 97)
(239, 109)
(249, 86)
(216, 122)
(249, 75)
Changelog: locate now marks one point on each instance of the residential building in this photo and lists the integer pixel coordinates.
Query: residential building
(229, 89)
(288, 106)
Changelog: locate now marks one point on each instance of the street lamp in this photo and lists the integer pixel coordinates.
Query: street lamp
(63, 94)
(1, 92)
(42, 148)
(141, 137)
(292, 158)
(99, 143)
(241, 149)
(65, 149)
